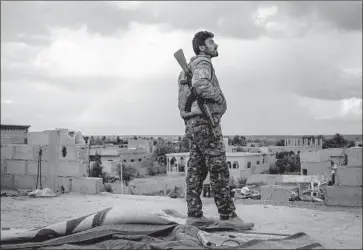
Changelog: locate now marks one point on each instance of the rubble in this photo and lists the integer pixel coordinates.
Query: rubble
(45, 192)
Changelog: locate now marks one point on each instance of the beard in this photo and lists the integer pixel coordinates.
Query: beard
(213, 53)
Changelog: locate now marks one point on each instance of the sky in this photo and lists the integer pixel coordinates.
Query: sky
(286, 68)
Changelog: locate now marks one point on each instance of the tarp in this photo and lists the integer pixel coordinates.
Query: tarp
(114, 228)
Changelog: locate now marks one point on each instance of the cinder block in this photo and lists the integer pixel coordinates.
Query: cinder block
(3, 166)
(24, 181)
(16, 167)
(7, 181)
(24, 152)
(7, 152)
(343, 196)
(277, 192)
(69, 168)
(349, 176)
(354, 157)
(86, 185)
(33, 167)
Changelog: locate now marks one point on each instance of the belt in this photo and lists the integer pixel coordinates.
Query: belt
(195, 117)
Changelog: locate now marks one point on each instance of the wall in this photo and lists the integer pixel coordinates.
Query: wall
(14, 136)
(272, 179)
(315, 168)
(320, 155)
(354, 156)
(19, 163)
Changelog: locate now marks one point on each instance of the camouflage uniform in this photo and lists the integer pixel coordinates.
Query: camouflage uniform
(206, 152)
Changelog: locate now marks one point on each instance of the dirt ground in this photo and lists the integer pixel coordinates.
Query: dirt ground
(336, 228)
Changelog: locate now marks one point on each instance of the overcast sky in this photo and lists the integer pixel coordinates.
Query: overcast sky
(108, 67)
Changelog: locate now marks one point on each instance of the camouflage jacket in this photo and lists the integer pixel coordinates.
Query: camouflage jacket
(206, 85)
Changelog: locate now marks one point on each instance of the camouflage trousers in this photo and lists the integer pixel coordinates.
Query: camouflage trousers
(207, 154)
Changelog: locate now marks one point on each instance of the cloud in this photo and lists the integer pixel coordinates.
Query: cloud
(280, 73)
(31, 21)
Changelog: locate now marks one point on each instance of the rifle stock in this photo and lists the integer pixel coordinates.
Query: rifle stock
(180, 58)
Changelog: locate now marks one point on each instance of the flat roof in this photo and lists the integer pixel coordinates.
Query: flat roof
(228, 154)
(10, 126)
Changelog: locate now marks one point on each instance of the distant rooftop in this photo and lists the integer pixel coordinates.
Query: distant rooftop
(229, 154)
(9, 126)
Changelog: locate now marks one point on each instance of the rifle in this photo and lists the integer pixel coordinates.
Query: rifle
(180, 58)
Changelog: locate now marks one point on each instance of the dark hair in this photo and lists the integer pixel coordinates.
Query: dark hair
(199, 40)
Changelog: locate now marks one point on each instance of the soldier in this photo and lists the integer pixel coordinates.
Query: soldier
(206, 152)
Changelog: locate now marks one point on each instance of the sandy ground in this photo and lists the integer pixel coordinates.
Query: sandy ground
(333, 227)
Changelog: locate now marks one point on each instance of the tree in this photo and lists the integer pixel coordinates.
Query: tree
(337, 141)
(287, 162)
(118, 140)
(241, 149)
(280, 142)
(239, 141)
(128, 172)
(92, 140)
(161, 149)
(97, 170)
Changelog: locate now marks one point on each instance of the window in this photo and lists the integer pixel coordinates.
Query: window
(235, 165)
(263, 160)
(140, 160)
(229, 164)
(132, 160)
(305, 171)
(258, 162)
(249, 164)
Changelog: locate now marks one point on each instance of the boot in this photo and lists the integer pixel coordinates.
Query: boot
(199, 221)
(237, 223)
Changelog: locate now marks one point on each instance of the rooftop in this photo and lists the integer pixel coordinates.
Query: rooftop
(228, 154)
(8, 126)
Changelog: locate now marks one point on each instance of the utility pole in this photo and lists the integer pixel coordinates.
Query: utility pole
(121, 177)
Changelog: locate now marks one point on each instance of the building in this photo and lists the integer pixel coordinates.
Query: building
(240, 164)
(320, 162)
(14, 134)
(141, 144)
(112, 155)
(358, 144)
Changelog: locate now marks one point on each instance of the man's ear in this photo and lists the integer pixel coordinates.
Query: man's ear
(202, 48)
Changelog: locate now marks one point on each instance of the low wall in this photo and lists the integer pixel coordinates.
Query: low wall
(343, 196)
(157, 187)
(272, 179)
(354, 157)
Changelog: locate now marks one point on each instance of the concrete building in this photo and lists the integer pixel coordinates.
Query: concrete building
(14, 134)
